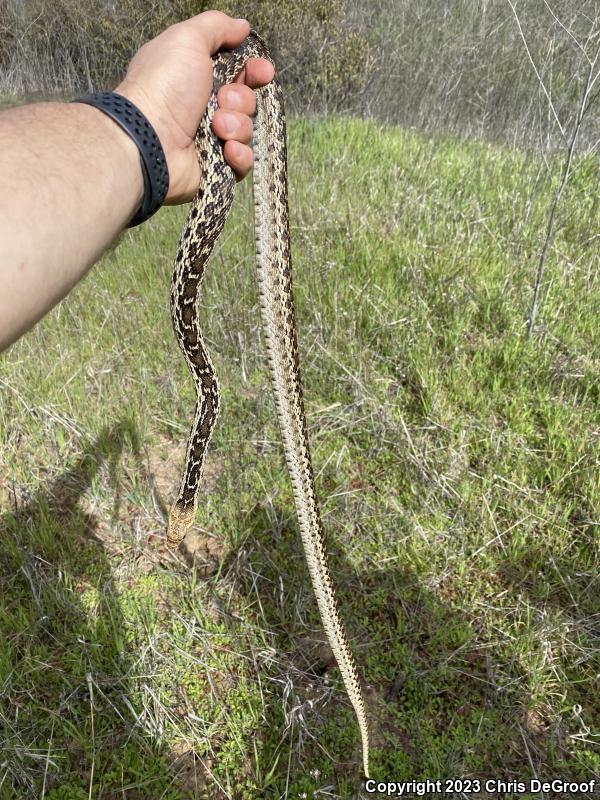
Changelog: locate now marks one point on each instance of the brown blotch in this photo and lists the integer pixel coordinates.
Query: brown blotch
(190, 290)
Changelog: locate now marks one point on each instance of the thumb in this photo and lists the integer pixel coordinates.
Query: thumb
(220, 30)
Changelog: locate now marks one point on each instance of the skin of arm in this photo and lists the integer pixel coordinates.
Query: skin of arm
(72, 179)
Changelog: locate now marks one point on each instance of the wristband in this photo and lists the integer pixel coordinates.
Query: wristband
(152, 157)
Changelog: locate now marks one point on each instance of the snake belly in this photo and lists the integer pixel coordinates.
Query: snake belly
(206, 219)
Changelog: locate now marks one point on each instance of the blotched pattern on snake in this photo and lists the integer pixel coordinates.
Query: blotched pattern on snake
(205, 222)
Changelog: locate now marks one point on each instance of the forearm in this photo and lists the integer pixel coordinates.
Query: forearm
(71, 180)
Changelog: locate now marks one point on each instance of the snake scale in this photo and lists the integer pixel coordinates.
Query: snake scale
(204, 224)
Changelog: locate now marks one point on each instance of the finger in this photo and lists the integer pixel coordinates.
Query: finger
(257, 72)
(232, 125)
(239, 157)
(220, 30)
(237, 98)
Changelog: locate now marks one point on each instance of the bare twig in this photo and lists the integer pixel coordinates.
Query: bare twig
(585, 103)
(535, 69)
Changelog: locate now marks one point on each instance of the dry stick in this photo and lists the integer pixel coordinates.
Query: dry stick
(584, 107)
(535, 69)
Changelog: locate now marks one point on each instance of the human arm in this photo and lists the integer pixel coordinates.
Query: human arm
(72, 179)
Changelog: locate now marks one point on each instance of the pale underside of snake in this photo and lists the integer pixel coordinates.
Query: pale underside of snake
(204, 224)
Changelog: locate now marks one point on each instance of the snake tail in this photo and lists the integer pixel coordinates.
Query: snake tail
(274, 273)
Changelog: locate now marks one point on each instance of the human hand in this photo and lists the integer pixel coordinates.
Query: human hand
(170, 80)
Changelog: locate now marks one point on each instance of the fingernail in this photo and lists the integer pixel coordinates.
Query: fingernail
(229, 122)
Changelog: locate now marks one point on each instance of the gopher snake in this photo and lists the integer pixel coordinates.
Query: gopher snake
(205, 222)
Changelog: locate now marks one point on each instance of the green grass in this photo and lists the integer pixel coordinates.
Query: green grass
(457, 465)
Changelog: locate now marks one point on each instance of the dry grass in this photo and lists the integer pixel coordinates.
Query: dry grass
(457, 465)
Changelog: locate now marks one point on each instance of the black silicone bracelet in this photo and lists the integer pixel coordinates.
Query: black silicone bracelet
(152, 157)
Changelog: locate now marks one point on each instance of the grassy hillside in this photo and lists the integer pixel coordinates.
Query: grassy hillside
(457, 464)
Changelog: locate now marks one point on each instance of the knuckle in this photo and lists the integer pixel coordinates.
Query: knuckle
(238, 96)
(184, 36)
(211, 16)
(225, 94)
(245, 130)
(232, 125)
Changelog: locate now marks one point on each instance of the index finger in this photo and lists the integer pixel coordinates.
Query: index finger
(220, 29)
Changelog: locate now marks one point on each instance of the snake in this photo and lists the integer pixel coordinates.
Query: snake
(205, 221)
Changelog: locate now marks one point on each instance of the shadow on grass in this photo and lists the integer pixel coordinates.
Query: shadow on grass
(65, 716)
(446, 699)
